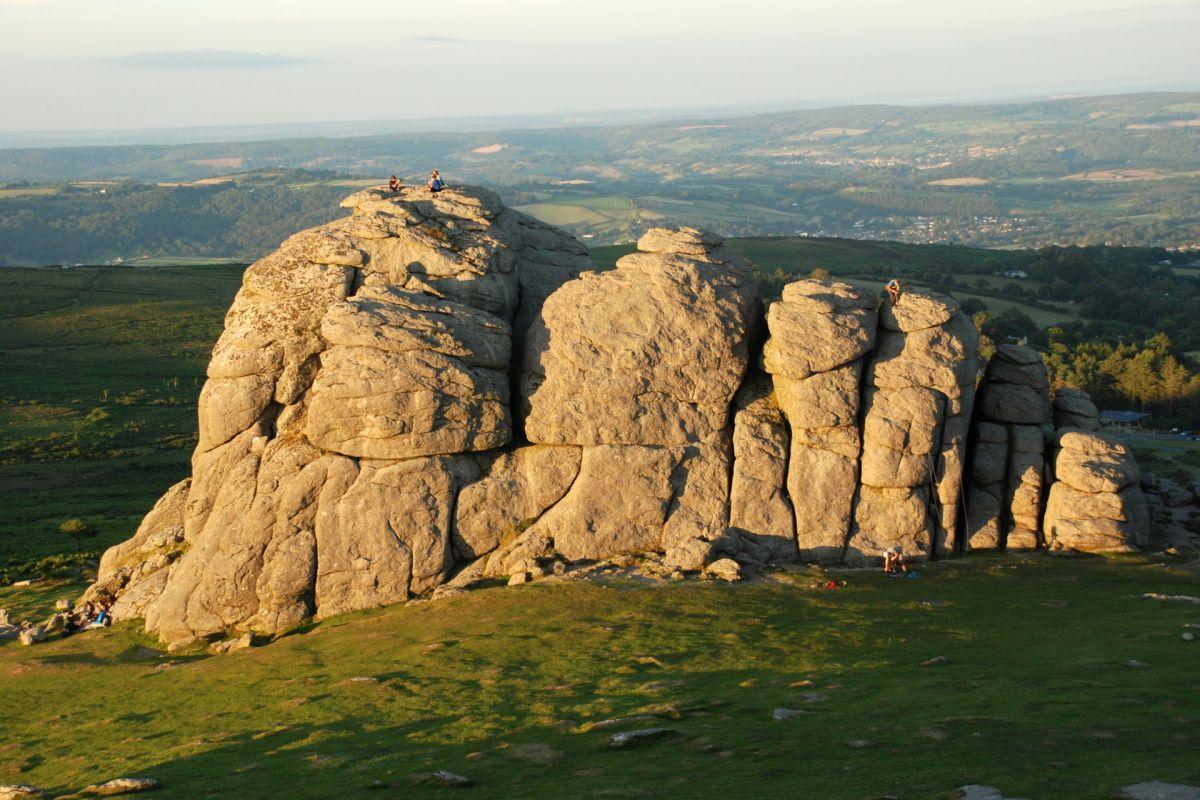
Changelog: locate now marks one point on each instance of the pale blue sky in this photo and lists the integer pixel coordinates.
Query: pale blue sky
(99, 64)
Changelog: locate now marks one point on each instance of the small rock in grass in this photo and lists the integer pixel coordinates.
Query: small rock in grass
(121, 786)
(800, 684)
(518, 578)
(1133, 662)
(1172, 598)
(627, 738)
(814, 697)
(445, 778)
(4, 618)
(1188, 636)
(62, 605)
(937, 661)
(32, 635)
(243, 642)
(724, 568)
(938, 734)
(857, 744)
(20, 791)
(1156, 790)
(786, 713)
(618, 722)
(364, 679)
(183, 644)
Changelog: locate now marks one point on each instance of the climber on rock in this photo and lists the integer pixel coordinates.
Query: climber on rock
(394, 184)
(893, 561)
(893, 290)
(436, 184)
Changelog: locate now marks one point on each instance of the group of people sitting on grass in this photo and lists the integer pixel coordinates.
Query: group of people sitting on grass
(94, 614)
(435, 183)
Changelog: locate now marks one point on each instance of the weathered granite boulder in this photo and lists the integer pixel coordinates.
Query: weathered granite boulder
(1096, 504)
(819, 333)
(1006, 483)
(515, 490)
(650, 353)
(919, 388)
(760, 508)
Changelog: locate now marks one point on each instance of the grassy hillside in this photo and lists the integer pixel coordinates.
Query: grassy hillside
(102, 367)
(507, 686)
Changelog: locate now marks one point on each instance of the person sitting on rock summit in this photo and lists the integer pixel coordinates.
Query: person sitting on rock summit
(394, 184)
(436, 184)
(893, 290)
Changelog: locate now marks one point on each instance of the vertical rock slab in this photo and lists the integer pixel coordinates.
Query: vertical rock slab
(1004, 510)
(386, 536)
(618, 503)
(1096, 504)
(919, 390)
(650, 353)
(515, 490)
(759, 507)
(819, 333)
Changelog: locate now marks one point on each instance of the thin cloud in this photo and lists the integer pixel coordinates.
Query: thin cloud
(439, 39)
(207, 59)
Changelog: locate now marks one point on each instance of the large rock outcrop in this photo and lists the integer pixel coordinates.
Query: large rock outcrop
(919, 384)
(820, 331)
(1006, 491)
(359, 364)
(438, 390)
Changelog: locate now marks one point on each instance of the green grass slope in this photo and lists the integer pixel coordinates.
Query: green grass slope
(102, 369)
(504, 685)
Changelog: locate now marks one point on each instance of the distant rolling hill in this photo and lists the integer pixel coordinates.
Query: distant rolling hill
(1121, 169)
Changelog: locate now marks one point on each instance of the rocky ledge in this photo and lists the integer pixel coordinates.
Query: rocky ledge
(437, 388)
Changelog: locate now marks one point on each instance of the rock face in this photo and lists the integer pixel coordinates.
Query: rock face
(359, 365)
(919, 387)
(1096, 504)
(436, 389)
(650, 353)
(760, 507)
(820, 332)
(1006, 493)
